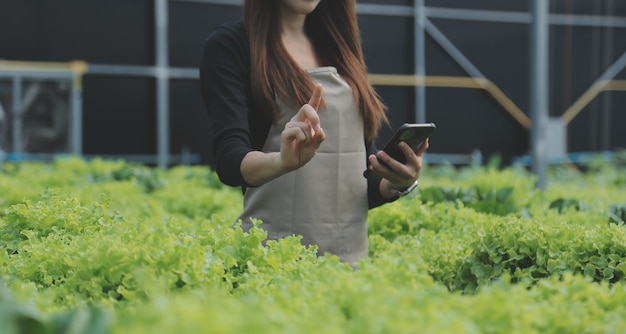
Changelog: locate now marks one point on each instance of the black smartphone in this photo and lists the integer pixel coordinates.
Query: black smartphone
(413, 134)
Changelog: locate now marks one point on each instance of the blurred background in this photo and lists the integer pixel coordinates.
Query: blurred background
(119, 78)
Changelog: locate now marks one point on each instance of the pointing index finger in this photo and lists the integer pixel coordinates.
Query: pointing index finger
(316, 98)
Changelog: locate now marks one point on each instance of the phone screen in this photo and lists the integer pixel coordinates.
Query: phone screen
(413, 134)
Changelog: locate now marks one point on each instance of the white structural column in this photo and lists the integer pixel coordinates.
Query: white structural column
(539, 88)
(76, 112)
(162, 81)
(17, 115)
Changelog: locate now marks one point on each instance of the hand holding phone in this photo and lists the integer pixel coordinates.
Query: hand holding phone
(414, 134)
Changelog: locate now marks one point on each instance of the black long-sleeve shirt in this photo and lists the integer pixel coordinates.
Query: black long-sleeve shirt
(237, 128)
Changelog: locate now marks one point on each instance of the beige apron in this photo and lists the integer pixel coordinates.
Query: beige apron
(324, 201)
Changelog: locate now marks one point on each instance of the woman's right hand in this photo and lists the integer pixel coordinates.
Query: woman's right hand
(303, 134)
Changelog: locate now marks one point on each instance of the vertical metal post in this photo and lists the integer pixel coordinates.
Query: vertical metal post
(539, 88)
(595, 72)
(420, 61)
(162, 81)
(605, 128)
(17, 114)
(76, 118)
(3, 132)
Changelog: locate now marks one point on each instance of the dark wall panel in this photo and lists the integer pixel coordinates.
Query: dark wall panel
(586, 7)
(439, 62)
(190, 25)
(498, 50)
(617, 121)
(388, 2)
(468, 119)
(579, 56)
(112, 31)
(387, 43)
(401, 105)
(119, 115)
(189, 123)
(618, 46)
(600, 126)
(507, 5)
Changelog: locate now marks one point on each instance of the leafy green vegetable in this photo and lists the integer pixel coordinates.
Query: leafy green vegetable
(113, 247)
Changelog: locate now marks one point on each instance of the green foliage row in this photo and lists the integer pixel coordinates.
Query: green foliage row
(109, 246)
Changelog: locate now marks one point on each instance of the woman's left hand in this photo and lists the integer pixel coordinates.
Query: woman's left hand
(399, 175)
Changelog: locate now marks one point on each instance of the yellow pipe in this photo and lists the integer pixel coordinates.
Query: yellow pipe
(508, 105)
(455, 82)
(589, 95)
(77, 66)
(412, 80)
(80, 67)
(619, 85)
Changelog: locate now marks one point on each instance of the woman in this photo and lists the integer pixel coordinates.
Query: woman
(294, 119)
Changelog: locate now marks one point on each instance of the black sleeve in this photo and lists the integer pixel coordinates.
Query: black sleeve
(374, 198)
(224, 79)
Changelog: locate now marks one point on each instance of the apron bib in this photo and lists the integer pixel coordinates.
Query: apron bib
(325, 201)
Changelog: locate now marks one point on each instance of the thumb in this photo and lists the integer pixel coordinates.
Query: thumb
(320, 135)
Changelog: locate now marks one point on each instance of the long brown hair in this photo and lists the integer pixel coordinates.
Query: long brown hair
(333, 30)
